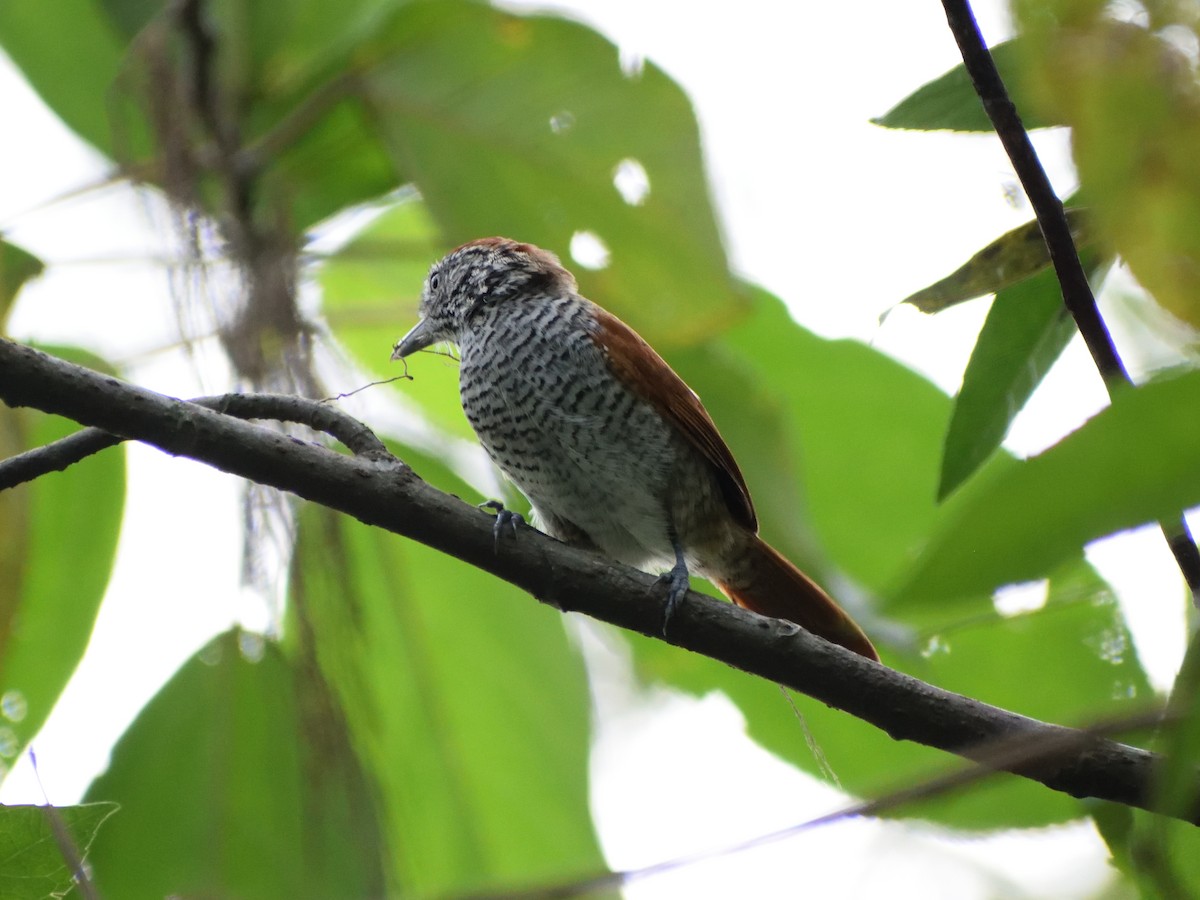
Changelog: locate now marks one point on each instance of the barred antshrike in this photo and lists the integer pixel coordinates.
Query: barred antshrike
(610, 446)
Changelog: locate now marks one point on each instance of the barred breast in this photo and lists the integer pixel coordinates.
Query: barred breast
(593, 459)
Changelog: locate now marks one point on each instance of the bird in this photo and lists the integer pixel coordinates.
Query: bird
(611, 447)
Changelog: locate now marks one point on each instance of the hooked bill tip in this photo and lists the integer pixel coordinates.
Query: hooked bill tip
(418, 338)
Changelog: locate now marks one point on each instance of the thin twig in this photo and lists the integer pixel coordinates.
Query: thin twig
(1077, 293)
(72, 854)
(318, 415)
(1006, 753)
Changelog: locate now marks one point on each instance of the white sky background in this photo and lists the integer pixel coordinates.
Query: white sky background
(808, 191)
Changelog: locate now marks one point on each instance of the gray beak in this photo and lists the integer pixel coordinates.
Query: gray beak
(417, 339)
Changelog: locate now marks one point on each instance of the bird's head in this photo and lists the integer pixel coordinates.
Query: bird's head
(476, 278)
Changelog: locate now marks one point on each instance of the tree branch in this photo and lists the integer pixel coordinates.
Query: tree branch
(1056, 231)
(382, 491)
(318, 415)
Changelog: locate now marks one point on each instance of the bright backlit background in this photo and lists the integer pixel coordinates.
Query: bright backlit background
(840, 218)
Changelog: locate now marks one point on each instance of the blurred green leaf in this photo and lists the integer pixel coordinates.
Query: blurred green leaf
(370, 288)
(33, 864)
(284, 68)
(1114, 821)
(83, 94)
(520, 126)
(1175, 791)
(864, 434)
(302, 180)
(468, 102)
(1132, 100)
(47, 609)
(1135, 462)
(1005, 262)
(229, 788)
(949, 103)
(466, 701)
(1160, 855)
(16, 267)
(1026, 331)
(1070, 659)
(289, 71)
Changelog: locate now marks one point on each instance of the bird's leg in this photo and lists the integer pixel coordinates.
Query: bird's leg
(676, 580)
(506, 521)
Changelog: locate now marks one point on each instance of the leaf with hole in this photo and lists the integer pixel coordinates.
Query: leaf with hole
(521, 125)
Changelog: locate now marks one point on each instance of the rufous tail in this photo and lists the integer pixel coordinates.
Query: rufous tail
(770, 585)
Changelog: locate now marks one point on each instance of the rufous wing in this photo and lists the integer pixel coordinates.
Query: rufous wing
(772, 586)
(647, 374)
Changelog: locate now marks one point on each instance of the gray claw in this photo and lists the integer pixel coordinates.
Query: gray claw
(678, 584)
(506, 521)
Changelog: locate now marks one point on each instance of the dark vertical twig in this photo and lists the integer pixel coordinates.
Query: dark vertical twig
(1052, 220)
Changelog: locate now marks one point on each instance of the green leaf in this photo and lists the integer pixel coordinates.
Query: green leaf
(1069, 659)
(1135, 462)
(235, 782)
(47, 609)
(1130, 95)
(949, 103)
(336, 108)
(1175, 790)
(285, 69)
(1026, 331)
(31, 848)
(370, 288)
(16, 268)
(466, 701)
(1114, 821)
(1007, 261)
(520, 125)
(290, 70)
(1160, 855)
(82, 94)
(296, 67)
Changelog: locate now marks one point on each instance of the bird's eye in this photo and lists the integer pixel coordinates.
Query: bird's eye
(435, 281)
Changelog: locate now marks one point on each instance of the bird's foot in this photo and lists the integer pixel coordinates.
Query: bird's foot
(506, 521)
(678, 584)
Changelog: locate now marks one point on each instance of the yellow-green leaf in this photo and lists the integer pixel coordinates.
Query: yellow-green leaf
(16, 267)
(1008, 260)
